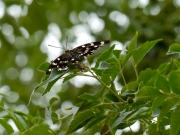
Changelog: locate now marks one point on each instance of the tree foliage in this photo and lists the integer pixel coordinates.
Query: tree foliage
(148, 70)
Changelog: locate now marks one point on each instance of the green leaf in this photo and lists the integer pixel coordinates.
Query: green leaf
(104, 65)
(120, 119)
(133, 43)
(54, 76)
(88, 96)
(87, 104)
(52, 100)
(18, 120)
(8, 128)
(174, 80)
(177, 63)
(131, 86)
(158, 101)
(163, 68)
(117, 53)
(174, 49)
(80, 120)
(49, 86)
(148, 77)
(112, 97)
(170, 103)
(43, 67)
(100, 93)
(162, 84)
(111, 71)
(127, 57)
(137, 114)
(105, 55)
(147, 92)
(143, 50)
(54, 117)
(107, 78)
(68, 77)
(95, 121)
(175, 122)
(152, 130)
(39, 130)
(113, 61)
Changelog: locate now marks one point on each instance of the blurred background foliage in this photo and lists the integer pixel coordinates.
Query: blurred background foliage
(27, 27)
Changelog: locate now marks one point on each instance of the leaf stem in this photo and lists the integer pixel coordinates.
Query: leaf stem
(95, 76)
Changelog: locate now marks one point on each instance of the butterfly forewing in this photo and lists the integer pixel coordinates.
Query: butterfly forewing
(75, 55)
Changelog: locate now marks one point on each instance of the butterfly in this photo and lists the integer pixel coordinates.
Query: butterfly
(75, 56)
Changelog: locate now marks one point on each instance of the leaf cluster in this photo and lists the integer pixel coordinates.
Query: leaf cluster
(153, 94)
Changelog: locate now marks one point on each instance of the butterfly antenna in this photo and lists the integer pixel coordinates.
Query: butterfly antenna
(66, 41)
(56, 46)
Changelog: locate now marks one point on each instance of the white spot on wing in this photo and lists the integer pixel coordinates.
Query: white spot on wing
(102, 43)
(54, 63)
(92, 44)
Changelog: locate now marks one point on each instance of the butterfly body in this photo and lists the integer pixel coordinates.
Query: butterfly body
(75, 55)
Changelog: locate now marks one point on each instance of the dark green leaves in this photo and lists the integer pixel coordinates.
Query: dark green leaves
(80, 120)
(175, 122)
(154, 93)
(174, 79)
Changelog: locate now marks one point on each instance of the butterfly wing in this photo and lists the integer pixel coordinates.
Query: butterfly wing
(75, 55)
(61, 63)
(87, 49)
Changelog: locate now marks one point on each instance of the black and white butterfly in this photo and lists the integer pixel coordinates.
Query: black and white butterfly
(75, 56)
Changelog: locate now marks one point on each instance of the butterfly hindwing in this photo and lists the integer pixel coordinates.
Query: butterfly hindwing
(61, 63)
(75, 55)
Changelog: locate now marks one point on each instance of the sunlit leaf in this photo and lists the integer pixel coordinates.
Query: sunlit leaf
(39, 129)
(105, 55)
(162, 84)
(133, 43)
(148, 77)
(127, 57)
(43, 67)
(143, 50)
(147, 92)
(174, 49)
(7, 127)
